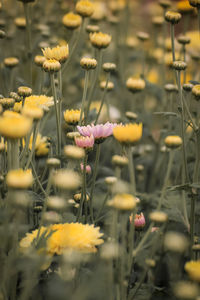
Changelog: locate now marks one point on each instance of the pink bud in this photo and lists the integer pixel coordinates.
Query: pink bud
(88, 168)
(139, 221)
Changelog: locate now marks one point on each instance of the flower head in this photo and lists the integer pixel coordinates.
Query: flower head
(66, 179)
(85, 8)
(59, 53)
(193, 269)
(14, 126)
(173, 141)
(129, 133)
(100, 131)
(72, 116)
(71, 20)
(123, 202)
(86, 142)
(135, 84)
(139, 221)
(100, 40)
(19, 179)
(68, 236)
(40, 101)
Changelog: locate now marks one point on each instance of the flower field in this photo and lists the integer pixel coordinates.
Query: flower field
(99, 150)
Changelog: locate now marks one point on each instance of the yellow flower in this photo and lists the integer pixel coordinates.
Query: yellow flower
(129, 133)
(193, 270)
(19, 179)
(14, 126)
(40, 101)
(85, 8)
(32, 111)
(59, 53)
(183, 6)
(123, 202)
(173, 141)
(42, 149)
(72, 116)
(62, 237)
(71, 20)
(100, 40)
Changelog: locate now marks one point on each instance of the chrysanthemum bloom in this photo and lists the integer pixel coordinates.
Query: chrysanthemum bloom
(86, 142)
(124, 202)
(110, 85)
(92, 28)
(186, 290)
(40, 101)
(193, 269)
(59, 53)
(139, 221)
(72, 116)
(66, 179)
(128, 134)
(100, 40)
(179, 65)
(172, 17)
(74, 152)
(184, 39)
(158, 217)
(51, 65)
(142, 36)
(173, 141)
(39, 60)
(20, 22)
(88, 63)
(119, 160)
(7, 102)
(71, 20)
(196, 91)
(84, 8)
(19, 179)
(135, 84)
(14, 126)
(11, 62)
(56, 203)
(74, 236)
(77, 197)
(184, 7)
(42, 149)
(33, 112)
(100, 131)
(176, 242)
(24, 91)
(15, 96)
(88, 168)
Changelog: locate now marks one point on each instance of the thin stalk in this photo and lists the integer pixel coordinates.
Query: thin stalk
(15, 153)
(169, 167)
(172, 41)
(28, 38)
(94, 180)
(182, 129)
(96, 75)
(143, 240)
(198, 10)
(37, 179)
(35, 133)
(83, 193)
(60, 106)
(131, 238)
(57, 113)
(25, 149)
(195, 127)
(184, 59)
(131, 170)
(102, 206)
(143, 58)
(84, 96)
(103, 98)
(74, 47)
(123, 256)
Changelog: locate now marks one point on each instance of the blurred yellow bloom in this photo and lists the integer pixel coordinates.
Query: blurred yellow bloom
(74, 236)
(14, 125)
(19, 179)
(129, 133)
(183, 6)
(193, 270)
(40, 101)
(123, 202)
(71, 20)
(42, 149)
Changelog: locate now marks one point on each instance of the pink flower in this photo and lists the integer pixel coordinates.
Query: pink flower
(139, 221)
(100, 131)
(154, 229)
(88, 168)
(85, 141)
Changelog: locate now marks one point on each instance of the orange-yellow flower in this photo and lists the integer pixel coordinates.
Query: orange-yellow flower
(129, 133)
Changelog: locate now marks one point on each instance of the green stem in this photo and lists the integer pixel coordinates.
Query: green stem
(102, 206)
(57, 113)
(83, 194)
(84, 96)
(96, 75)
(172, 42)
(15, 153)
(131, 170)
(35, 133)
(103, 98)
(182, 129)
(28, 38)
(94, 180)
(143, 240)
(169, 167)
